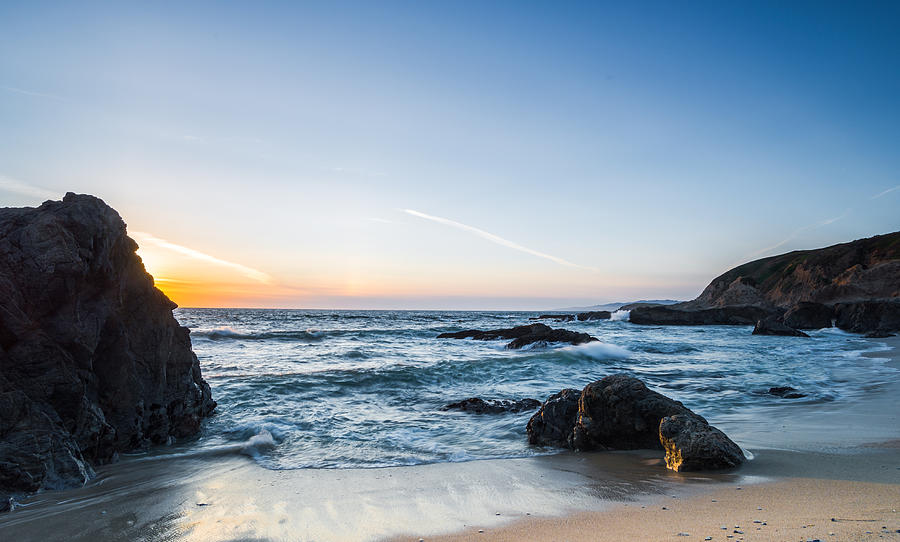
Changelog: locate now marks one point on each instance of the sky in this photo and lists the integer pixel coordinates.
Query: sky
(456, 155)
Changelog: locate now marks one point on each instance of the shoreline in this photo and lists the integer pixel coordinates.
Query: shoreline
(842, 494)
(553, 497)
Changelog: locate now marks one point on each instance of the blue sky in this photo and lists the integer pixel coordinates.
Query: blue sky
(551, 154)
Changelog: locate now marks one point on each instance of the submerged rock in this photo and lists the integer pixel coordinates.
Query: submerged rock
(786, 392)
(523, 335)
(553, 423)
(692, 444)
(619, 412)
(808, 315)
(92, 362)
(771, 326)
(478, 405)
(593, 315)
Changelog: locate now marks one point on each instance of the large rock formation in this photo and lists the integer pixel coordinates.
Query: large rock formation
(619, 412)
(852, 275)
(92, 362)
(523, 335)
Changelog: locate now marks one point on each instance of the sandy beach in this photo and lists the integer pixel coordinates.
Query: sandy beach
(593, 496)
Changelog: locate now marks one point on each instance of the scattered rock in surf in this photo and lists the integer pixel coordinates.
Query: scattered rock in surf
(771, 326)
(593, 315)
(477, 405)
(786, 392)
(619, 412)
(523, 335)
(556, 317)
(879, 335)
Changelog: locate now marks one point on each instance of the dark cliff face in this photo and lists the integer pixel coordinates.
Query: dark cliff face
(855, 271)
(92, 362)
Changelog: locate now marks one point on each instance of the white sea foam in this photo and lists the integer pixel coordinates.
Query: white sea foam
(619, 315)
(258, 443)
(599, 350)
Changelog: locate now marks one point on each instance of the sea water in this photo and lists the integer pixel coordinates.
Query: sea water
(349, 389)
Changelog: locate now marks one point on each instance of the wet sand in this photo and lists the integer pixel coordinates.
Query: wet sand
(596, 496)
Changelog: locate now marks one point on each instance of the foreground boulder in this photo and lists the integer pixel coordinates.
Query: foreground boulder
(692, 444)
(523, 335)
(771, 326)
(808, 315)
(619, 412)
(478, 405)
(92, 362)
(553, 423)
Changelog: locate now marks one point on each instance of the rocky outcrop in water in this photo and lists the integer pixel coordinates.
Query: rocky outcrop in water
(862, 276)
(555, 317)
(477, 405)
(523, 335)
(877, 315)
(740, 315)
(92, 362)
(772, 326)
(619, 412)
(593, 315)
(808, 315)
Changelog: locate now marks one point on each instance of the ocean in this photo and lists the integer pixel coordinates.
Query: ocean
(356, 389)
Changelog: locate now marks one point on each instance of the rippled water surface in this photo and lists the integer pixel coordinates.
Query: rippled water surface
(337, 389)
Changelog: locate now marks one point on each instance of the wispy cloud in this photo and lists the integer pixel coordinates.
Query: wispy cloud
(886, 192)
(248, 272)
(357, 171)
(797, 232)
(32, 93)
(18, 187)
(494, 238)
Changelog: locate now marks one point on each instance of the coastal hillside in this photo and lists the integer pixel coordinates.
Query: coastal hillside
(856, 285)
(862, 269)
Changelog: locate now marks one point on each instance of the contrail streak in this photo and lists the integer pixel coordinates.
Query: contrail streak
(494, 238)
(248, 272)
(25, 189)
